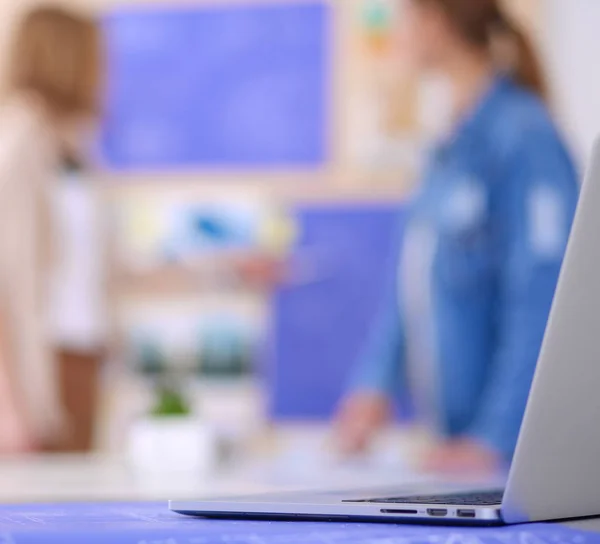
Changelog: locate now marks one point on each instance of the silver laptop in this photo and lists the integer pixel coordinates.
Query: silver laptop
(555, 473)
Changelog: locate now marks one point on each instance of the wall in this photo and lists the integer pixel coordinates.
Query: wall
(573, 44)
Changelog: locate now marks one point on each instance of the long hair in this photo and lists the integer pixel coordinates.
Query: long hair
(485, 24)
(56, 55)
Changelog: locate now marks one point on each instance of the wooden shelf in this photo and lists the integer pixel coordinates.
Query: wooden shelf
(284, 187)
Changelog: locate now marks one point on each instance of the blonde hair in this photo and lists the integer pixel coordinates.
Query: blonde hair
(56, 55)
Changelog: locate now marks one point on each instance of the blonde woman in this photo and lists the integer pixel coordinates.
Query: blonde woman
(51, 98)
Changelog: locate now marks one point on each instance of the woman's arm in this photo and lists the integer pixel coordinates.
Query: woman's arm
(379, 368)
(26, 175)
(377, 377)
(368, 406)
(15, 432)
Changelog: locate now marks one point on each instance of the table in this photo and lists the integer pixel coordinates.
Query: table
(50, 479)
(99, 478)
(58, 478)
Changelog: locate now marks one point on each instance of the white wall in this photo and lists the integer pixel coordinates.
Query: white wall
(573, 46)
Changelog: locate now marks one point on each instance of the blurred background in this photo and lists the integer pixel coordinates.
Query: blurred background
(236, 134)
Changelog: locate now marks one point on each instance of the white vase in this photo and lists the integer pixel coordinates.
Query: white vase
(172, 445)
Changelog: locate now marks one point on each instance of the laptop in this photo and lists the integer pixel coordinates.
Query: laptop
(555, 474)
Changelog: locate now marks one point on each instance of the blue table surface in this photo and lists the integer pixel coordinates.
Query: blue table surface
(153, 524)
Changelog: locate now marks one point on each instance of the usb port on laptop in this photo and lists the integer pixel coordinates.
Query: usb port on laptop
(466, 513)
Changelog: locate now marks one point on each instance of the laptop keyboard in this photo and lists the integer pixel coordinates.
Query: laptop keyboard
(488, 498)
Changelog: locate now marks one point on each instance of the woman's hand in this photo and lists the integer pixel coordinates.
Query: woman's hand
(15, 438)
(361, 416)
(462, 456)
(260, 271)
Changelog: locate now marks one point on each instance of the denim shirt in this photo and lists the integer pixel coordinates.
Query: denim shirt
(481, 256)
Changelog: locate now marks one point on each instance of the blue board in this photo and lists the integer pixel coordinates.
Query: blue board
(320, 327)
(154, 524)
(239, 85)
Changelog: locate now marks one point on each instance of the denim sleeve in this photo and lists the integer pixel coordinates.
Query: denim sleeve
(533, 205)
(381, 363)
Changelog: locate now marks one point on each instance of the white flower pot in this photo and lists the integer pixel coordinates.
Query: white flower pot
(173, 444)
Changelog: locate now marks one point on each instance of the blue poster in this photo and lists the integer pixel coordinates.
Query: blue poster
(345, 257)
(233, 86)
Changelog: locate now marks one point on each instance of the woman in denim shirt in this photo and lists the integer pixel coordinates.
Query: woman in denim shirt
(481, 256)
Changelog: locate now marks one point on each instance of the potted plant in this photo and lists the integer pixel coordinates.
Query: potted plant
(170, 437)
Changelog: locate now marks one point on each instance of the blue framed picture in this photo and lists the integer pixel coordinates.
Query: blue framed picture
(242, 86)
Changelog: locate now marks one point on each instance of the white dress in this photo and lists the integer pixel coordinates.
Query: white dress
(77, 298)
